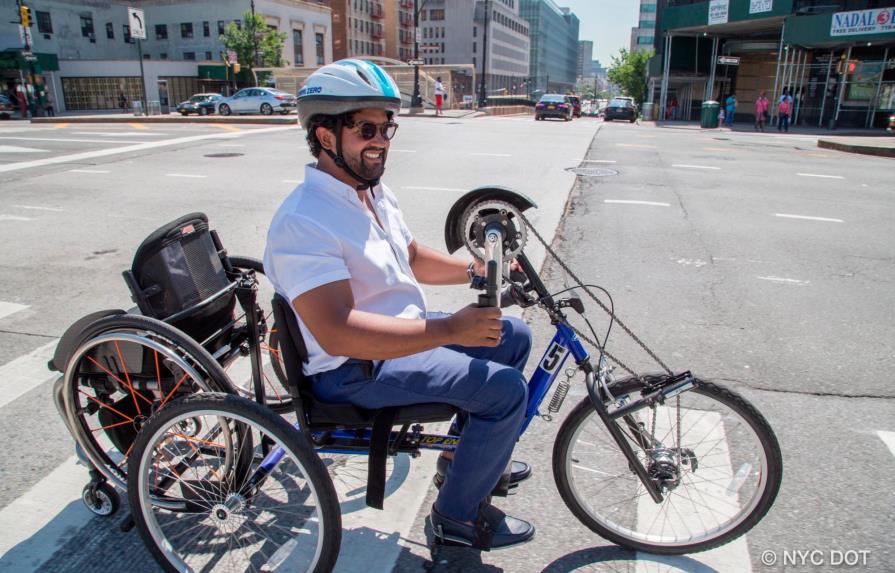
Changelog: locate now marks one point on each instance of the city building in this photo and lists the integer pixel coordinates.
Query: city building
(835, 58)
(399, 29)
(643, 36)
(554, 46)
(84, 55)
(585, 57)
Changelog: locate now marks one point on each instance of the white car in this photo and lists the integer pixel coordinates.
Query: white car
(258, 100)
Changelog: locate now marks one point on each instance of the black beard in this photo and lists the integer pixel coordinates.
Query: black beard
(365, 171)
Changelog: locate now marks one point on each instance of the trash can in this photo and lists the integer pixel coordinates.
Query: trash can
(708, 116)
(648, 110)
(137, 107)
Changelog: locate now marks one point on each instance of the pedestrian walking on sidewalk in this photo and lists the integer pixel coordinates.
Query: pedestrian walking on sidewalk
(439, 96)
(721, 117)
(731, 109)
(784, 109)
(761, 111)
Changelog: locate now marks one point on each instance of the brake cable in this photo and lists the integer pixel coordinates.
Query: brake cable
(606, 309)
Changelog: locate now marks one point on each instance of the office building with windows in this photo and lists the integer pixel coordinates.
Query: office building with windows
(553, 63)
(643, 37)
(585, 57)
(85, 57)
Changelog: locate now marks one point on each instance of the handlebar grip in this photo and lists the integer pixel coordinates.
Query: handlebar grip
(491, 296)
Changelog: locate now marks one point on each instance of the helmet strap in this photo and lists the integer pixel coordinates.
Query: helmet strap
(340, 162)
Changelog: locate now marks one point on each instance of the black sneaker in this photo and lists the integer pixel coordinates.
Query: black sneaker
(493, 529)
(518, 473)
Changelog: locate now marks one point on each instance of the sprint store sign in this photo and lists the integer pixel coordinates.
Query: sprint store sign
(875, 21)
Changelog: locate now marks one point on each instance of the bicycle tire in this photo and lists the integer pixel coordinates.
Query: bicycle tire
(624, 527)
(277, 396)
(179, 353)
(230, 513)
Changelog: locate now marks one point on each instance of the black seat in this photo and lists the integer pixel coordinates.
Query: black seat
(326, 416)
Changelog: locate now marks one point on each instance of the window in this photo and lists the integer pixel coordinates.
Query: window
(475, 31)
(208, 57)
(161, 31)
(220, 27)
(127, 34)
(44, 23)
(110, 31)
(206, 29)
(189, 55)
(318, 41)
(298, 53)
(647, 24)
(186, 30)
(648, 7)
(238, 24)
(87, 26)
(473, 48)
(147, 57)
(645, 41)
(436, 14)
(163, 56)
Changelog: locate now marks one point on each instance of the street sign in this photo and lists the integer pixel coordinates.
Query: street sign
(416, 62)
(137, 23)
(29, 56)
(729, 60)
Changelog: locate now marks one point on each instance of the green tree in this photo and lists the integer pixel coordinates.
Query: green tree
(628, 71)
(253, 34)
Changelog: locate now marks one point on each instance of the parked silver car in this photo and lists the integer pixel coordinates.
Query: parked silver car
(258, 100)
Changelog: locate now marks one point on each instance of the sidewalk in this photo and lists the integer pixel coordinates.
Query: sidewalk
(850, 140)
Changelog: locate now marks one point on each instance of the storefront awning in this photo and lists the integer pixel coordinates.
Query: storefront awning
(213, 72)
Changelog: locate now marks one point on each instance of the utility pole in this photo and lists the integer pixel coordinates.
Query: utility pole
(483, 97)
(25, 23)
(416, 102)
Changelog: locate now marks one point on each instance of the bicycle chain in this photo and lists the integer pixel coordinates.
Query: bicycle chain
(606, 309)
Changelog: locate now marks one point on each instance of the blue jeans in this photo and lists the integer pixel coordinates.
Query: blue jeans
(783, 123)
(486, 383)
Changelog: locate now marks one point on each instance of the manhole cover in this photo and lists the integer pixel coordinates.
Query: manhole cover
(592, 171)
(225, 155)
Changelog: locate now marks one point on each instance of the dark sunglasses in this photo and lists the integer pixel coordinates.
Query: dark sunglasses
(368, 130)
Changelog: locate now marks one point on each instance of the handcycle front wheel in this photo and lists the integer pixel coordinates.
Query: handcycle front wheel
(713, 456)
(275, 510)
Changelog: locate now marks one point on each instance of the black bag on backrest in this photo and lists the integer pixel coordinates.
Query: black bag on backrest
(178, 267)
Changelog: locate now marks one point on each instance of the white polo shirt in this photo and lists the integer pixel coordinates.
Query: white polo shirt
(322, 233)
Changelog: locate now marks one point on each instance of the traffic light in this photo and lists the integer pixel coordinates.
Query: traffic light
(25, 14)
(236, 67)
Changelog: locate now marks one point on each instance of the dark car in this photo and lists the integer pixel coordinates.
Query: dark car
(203, 104)
(7, 107)
(620, 109)
(576, 105)
(554, 105)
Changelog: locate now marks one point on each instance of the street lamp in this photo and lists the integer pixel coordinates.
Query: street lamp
(482, 95)
(416, 102)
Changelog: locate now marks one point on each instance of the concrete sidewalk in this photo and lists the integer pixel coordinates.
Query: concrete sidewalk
(863, 141)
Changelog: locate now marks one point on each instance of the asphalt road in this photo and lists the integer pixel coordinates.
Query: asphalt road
(752, 259)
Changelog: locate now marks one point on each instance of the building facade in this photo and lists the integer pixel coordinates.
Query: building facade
(87, 60)
(643, 36)
(399, 29)
(585, 57)
(554, 46)
(836, 58)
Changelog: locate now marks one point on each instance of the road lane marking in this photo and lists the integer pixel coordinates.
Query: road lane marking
(38, 208)
(7, 308)
(783, 280)
(641, 145)
(88, 171)
(598, 161)
(119, 134)
(725, 149)
(14, 218)
(61, 125)
(226, 127)
(492, 154)
(138, 126)
(888, 438)
(65, 139)
(685, 166)
(820, 175)
(630, 202)
(435, 188)
(142, 146)
(808, 218)
(41, 521)
(17, 149)
(185, 175)
(25, 373)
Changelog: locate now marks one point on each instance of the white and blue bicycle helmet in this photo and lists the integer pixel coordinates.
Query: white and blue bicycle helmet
(342, 87)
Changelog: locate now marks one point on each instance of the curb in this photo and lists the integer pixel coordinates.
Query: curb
(860, 149)
(287, 120)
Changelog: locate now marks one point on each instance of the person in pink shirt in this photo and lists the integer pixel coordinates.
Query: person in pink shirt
(784, 108)
(761, 111)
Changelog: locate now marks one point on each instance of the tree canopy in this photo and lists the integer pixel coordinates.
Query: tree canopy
(269, 42)
(628, 71)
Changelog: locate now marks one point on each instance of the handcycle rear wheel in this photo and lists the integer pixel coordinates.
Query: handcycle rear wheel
(273, 373)
(126, 367)
(195, 513)
(715, 458)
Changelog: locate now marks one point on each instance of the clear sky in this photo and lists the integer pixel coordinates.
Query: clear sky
(607, 23)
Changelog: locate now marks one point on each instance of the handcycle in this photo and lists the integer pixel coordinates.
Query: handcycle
(664, 463)
(198, 325)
